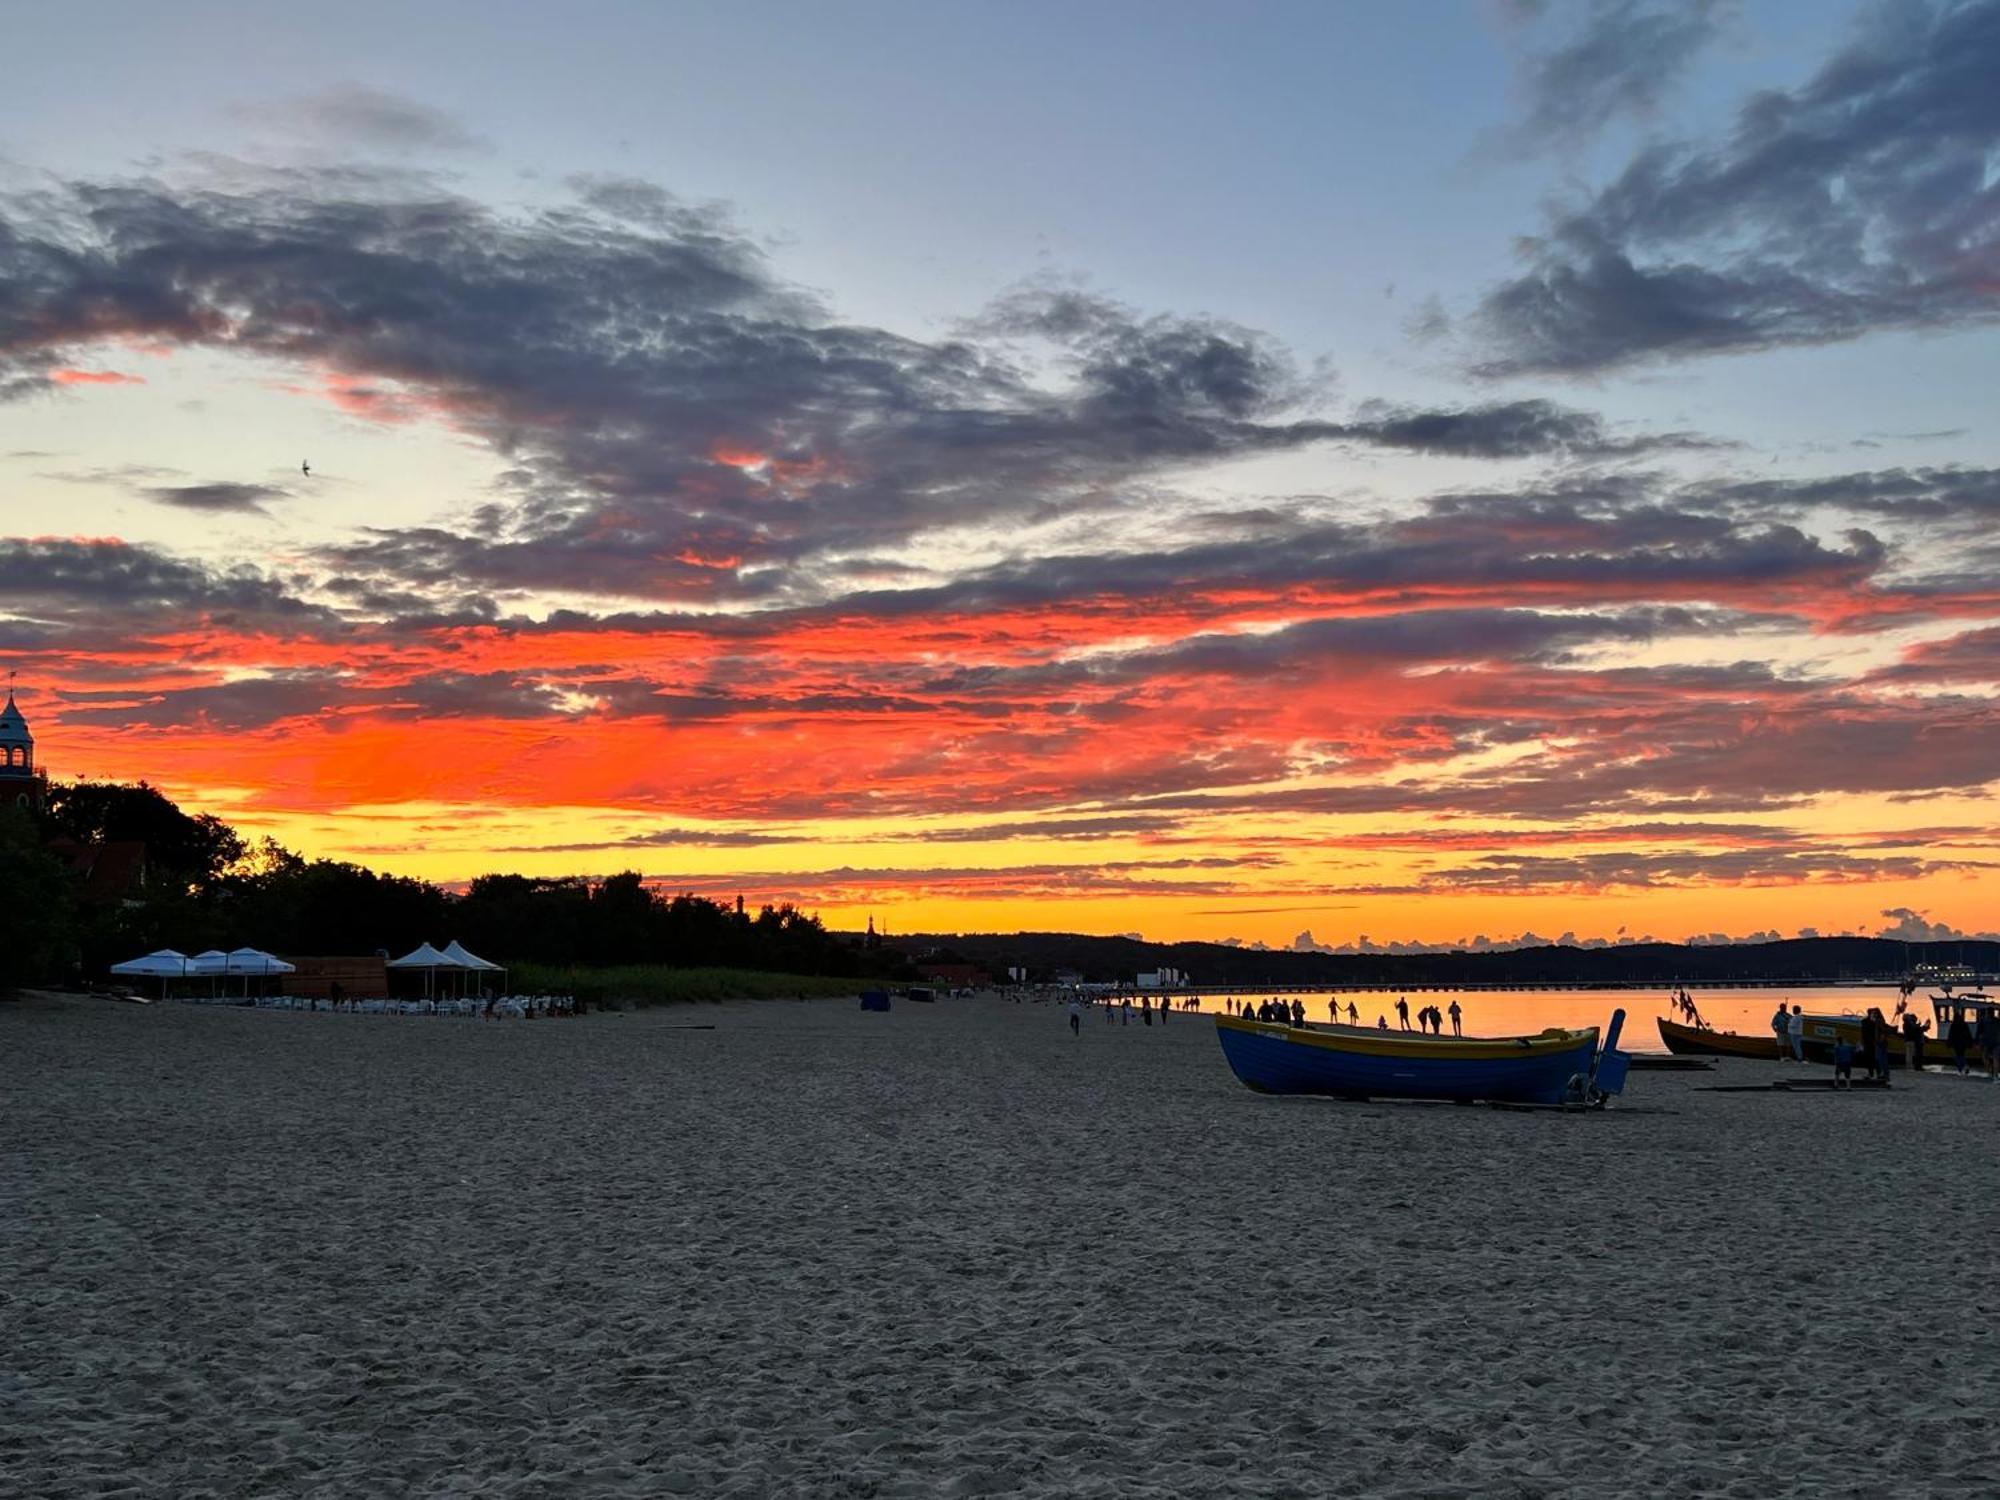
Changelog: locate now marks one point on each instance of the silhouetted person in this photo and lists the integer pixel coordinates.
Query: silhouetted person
(1403, 1011)
(1353, 1015)
(1913, 1043)
(1456, 1029)
(1075, 1016)
(1987, 1034)
(1843, 1064)
(1959, 1039)
(1871, 1033)
(1781, 1027)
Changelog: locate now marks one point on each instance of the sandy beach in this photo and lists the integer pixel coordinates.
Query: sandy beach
(953, 1251)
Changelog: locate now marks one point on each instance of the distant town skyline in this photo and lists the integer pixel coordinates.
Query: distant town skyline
(1322, 476)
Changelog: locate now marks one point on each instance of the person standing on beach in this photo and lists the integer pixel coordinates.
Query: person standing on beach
(1796, 1025)
(1403, 1011)
(1871, 1033)
(1959, 1038)
(1333, 1011)
(1075, 1016)
(1913, 1043)
(1988, 1037)
(1353, 1015)
(1781, 1026)
(1456, 1030)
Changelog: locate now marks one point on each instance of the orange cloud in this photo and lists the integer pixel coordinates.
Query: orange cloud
(95, 377)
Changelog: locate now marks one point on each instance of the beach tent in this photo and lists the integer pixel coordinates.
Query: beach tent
(210, 965)
(256, 961)
(162, 963)
(456, 952)
(430, 960)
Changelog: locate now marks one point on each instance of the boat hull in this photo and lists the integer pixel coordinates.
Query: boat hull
(1354, 1063)
(1691, 1041)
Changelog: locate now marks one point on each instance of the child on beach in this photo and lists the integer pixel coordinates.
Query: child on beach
(1843, 1064)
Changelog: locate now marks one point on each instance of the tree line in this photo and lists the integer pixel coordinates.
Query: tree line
(204, 886)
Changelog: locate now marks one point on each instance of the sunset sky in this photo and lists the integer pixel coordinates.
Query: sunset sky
(1311, 474)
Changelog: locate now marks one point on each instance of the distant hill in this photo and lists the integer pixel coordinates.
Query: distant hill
(1106, 959)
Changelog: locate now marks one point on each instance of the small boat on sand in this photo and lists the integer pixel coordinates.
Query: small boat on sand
(1558, 1066)
(1704, 1041)
(1823, 1032)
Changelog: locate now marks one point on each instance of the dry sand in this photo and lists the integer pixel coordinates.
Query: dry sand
(950, 1251)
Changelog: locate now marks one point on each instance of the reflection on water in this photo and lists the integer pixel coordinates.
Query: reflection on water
(1516, 1012)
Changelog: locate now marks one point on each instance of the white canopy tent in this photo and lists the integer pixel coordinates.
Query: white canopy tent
(162, 963)
(457, 952)
(257, 961)
(214, 961)
(430, 960)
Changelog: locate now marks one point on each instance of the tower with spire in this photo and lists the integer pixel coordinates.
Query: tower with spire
(22, 782)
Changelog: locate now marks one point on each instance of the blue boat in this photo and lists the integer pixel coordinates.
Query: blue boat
(1561, 1066)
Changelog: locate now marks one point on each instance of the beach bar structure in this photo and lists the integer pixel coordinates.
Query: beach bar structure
(339, 977)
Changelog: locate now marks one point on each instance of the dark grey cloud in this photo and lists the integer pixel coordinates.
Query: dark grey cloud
(353, 115)
(217, 495)
(253, 703)
(667, 838)
(1621, 57)
(89, 585)
(1397, 641)
(1521, 872)
(1860, 200)
(676, 421)
(1956, 496)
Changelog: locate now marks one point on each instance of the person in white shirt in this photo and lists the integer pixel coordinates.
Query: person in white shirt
(1797, 1026)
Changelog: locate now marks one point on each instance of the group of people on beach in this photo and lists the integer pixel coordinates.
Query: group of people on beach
(1877, 1030)
(1118, 1010)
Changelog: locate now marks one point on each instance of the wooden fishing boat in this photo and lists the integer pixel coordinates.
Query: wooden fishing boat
(1558, 1066)
(1823, 1032)
(1703, 1041)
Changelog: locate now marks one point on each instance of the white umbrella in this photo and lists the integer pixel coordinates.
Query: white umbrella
(162, 963)
(214, 961)
(257, 961)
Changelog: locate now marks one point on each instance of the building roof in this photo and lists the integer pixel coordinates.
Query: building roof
(109, 870)
(13, 728)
